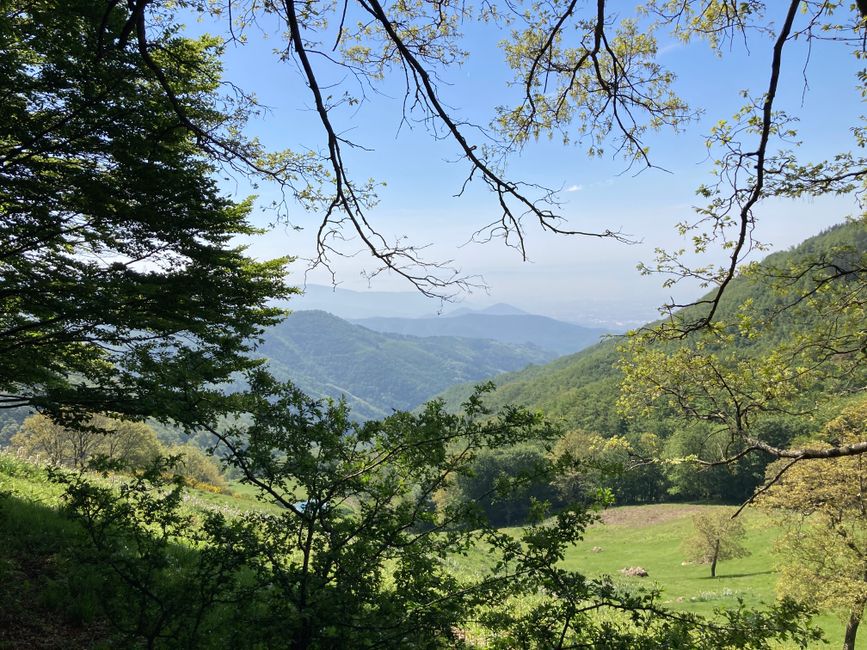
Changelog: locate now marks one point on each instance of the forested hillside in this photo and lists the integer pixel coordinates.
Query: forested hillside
(329, 357)
(582, 390)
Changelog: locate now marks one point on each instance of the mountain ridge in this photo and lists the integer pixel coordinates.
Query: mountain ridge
(377, 373)
(558, 337)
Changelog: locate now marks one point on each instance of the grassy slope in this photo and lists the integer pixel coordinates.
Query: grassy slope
(651, 537)
(48, 603)
(46, 599)
(44, 603)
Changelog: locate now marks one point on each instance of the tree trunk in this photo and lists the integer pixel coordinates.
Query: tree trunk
(304, 636)
(851, 630)
(713, 562)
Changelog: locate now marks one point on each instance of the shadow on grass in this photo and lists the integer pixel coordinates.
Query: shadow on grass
(737, 575)
(47, 601)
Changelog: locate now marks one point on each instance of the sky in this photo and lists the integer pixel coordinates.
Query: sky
(564, 277)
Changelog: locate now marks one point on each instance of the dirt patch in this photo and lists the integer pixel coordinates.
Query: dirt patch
(640, 516)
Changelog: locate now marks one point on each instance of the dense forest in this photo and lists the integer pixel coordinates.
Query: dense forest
(378, 373)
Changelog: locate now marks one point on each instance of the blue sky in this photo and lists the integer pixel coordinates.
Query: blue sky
(563, 275)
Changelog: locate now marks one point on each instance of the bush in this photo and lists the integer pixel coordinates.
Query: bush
(200, 469)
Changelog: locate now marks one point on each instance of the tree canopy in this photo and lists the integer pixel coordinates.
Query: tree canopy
(822, 508)
(133, 443)
(793, 350)
(121, 285)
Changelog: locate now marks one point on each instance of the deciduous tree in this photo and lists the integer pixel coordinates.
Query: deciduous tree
(120, 284)
(623, 466)
(717, 536)
(134, 444)
(822, 507)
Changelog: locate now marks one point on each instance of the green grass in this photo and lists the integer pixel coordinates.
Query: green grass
(652, 536)
(36, 581)
(245, 496)
(48, 599)
(46, 602)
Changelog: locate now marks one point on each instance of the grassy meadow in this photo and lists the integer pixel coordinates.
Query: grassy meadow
(651, 537)
(49, 601)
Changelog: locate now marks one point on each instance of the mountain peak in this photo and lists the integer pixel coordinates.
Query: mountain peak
(503, 309)
(499, 309)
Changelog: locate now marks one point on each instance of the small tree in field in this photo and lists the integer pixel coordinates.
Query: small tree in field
(717, 537)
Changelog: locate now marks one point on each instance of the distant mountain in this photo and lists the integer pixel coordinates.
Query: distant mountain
(327, 356)
(502, 323)
(502, 309)
(499, 309)
(612, 315)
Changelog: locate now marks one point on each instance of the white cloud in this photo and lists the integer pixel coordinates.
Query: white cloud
(669, 47)
(574, 188)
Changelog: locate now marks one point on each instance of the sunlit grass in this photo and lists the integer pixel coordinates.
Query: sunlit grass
(647, 536)
(652, 536)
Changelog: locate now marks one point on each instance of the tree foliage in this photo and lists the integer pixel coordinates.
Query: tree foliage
(198, 467)
(130, 445)
(821, 506)
(356, 555)
(620, 465)
(717, 537)
(785, 351)
(133, 444)
(504, 484)
(715, 483)
(119, 282)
